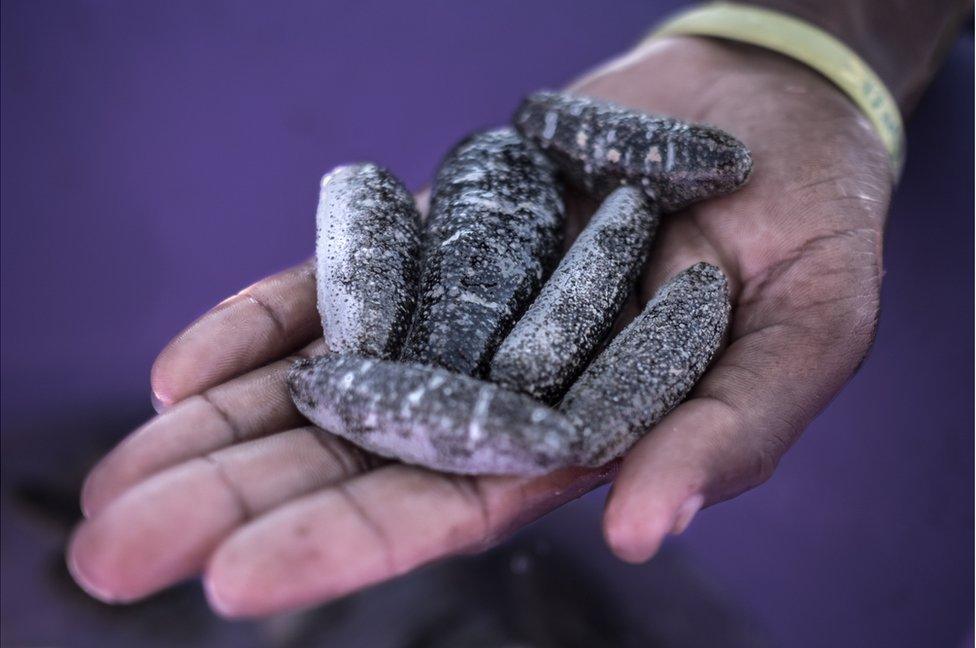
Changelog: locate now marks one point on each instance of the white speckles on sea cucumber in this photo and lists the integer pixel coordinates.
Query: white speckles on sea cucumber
(682, 163)
(434, 418)
(476, 430)
(651, 365)
(454, 237)
(550, 126)
(557, 336)
(490, 239)
(366, 258)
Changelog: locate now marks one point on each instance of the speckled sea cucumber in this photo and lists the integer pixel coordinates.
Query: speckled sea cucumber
(600, 145)
(366, 257)
(493, 233)
(651, 365)
(432, 417)
(557, 336)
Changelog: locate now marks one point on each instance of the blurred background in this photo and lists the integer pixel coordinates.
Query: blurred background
(157, 157)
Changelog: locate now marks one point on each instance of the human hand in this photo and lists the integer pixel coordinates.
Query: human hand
(226, 481)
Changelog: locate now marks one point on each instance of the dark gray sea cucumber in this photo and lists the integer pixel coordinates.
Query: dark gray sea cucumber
(562, 328)
(432, 417)
(366, 256)
(493, 233)
(651, 365)
(600, 145)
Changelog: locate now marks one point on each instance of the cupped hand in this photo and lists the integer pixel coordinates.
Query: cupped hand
(230, 482)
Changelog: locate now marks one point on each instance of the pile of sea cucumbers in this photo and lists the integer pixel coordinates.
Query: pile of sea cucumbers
(455, 345)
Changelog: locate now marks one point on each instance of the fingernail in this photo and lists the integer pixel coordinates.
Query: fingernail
(87, 496)
(158, 403)
(82, 578)
(686, 513)
(217, 602)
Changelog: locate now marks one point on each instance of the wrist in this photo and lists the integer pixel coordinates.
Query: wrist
(805, 43)
(902, 45)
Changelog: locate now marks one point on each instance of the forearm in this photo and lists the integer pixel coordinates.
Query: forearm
(902, 40)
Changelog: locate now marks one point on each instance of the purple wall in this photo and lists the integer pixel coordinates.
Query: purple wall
(159, 156)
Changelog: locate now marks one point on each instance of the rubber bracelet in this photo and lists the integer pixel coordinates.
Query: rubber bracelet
(807, 44)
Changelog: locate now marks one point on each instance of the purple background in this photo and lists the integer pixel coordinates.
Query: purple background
(159, 156)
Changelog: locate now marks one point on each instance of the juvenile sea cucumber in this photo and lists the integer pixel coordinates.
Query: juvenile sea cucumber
(432, 417)
(493, 233)
(651, 365)
(600, 145)
(366, 257)
(557, 336)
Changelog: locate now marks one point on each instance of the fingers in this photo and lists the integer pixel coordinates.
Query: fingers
(799, 334)
(371, 528)
(722, 441)
(161, 531)
(244, 408)
(664, 479)
(261, 323)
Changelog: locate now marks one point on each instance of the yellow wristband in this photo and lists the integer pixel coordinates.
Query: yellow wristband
(811, 46)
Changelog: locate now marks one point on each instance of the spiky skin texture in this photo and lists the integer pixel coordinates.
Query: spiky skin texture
(367, 260)
(599, 146)
(563, 327)
(493, 233)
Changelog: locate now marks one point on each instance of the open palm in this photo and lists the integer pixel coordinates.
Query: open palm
(229, 481)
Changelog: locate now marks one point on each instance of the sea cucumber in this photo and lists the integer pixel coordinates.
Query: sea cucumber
(600, 145)
(651, 365)
(558, 334)
(432, 417)
(493, 234)
(367, 265)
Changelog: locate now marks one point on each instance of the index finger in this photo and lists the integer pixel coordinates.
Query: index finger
(263, 322)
